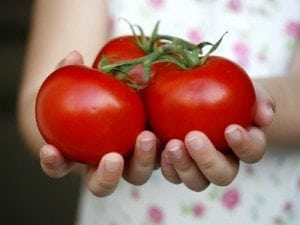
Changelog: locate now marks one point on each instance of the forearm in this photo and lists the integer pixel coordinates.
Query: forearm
(58, 27)
(286, 92)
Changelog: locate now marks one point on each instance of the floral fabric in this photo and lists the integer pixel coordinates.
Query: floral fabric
(262, 36)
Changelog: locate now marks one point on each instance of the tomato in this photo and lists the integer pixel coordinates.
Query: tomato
(86, 113)
(206, 98)
(120, 49)
(126, 48)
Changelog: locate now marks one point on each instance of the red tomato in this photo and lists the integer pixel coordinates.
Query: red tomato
(86, 114)
(206, 98)
(126, 48)
(120, 49)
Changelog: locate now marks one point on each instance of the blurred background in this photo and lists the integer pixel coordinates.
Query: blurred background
(28, 197)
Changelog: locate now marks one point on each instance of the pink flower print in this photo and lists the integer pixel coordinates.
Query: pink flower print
(241, 52)
(155, 215)
(194, 36)
(198, 210)
(293, 29)
(288, 206)
(234, 5)
(262, 57)
(135, 194)
(278, 221)
(157, 3)
(231, 198)
(249, 170)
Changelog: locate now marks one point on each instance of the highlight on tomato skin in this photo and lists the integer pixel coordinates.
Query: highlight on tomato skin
(86, 113)
(207, 98)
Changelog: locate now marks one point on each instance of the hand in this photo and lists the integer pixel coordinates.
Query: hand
(103, 179)
(197, 163)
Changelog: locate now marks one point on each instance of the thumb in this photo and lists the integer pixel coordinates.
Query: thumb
(72, 58)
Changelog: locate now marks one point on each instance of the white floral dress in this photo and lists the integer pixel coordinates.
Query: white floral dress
(262, 36)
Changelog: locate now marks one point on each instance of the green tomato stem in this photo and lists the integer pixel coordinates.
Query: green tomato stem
(160, 48)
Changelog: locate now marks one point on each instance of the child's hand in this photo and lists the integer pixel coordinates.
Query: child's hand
(197, 163)
(103, 179)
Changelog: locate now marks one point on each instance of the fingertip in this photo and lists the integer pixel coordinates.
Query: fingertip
(53, 162)
(265, 115)
(174, 144)
(265, 107)
(113, 162)
(102, 180)
(74, 57)
(196, 141)
(234, 134)
(49, 154)
(146, 141)
(251, 147)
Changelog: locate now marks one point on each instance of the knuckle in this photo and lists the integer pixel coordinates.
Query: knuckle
(146, 164)
(208, 164)
(226, 176)
(253, 152)
(185, 167)
(225, 180)
(107, 185)
(173, 178)
(102, 189)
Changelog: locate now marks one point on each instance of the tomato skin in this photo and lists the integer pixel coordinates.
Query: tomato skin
(86, 114)
(119, 48)
(206, 98)
(125, 48)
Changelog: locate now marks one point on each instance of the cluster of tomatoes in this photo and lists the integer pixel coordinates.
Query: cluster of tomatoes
(87, 112)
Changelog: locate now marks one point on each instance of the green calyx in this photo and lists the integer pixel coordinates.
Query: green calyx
(160, 48)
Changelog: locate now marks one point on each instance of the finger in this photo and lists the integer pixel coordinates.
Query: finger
(168, 169)
(103, 180)
(186, 168)
(142, 162)
(53, 163)
(218, 168)
(265, 107)
(249, 146)
(74, 57)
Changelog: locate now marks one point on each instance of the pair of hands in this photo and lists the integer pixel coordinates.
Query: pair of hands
(194, 161)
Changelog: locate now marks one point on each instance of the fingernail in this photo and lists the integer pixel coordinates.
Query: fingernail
(234, 134)
(146, 144)
(48, 156)
(196, 142)
(176, 151)
(72, 54)
(112, 164)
